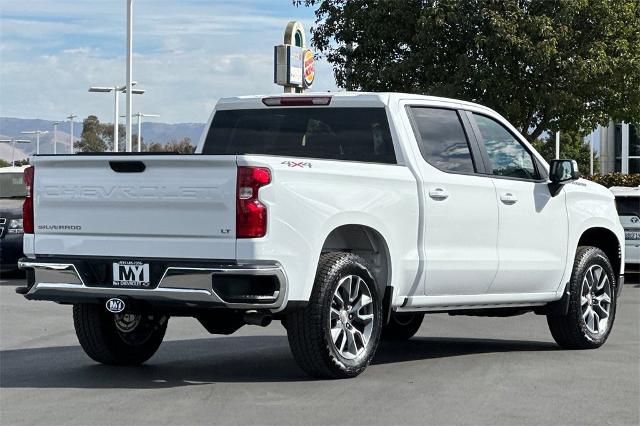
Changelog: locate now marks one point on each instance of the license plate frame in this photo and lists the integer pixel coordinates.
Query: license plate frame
(632, 235)
(131, 274)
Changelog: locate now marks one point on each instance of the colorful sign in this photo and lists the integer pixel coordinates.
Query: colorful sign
(309, 69)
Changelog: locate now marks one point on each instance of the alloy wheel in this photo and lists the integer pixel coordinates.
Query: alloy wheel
(595, 299)
(351, 317)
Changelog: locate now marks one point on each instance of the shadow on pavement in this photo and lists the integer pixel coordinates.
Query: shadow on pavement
(203, 361)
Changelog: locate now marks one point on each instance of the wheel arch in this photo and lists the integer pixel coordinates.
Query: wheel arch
(607, 241)
(367, 242)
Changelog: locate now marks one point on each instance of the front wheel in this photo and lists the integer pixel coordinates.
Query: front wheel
(337, 333)
(118, 339)
(592, 303)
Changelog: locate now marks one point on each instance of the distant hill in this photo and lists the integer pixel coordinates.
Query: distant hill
(151, 132)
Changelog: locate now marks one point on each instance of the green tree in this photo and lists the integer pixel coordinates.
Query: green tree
(573, 146)
(98, 137)
(545, 65)
(4, 163)
(91, 138)
(183, 146)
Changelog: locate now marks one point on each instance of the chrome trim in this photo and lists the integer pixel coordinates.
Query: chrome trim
(181, 284)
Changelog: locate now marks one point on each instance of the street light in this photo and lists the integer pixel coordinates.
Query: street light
(13, 143)
(140, 115)
(37, 133)
(129, 82)
(116, 105)
(70, 118)
(55, 136)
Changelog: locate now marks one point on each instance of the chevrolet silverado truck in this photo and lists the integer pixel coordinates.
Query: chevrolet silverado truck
(345, 216)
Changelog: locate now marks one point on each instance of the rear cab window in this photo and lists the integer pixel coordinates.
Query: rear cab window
(351, 134)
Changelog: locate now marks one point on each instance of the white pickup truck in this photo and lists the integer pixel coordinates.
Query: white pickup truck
(346, 216)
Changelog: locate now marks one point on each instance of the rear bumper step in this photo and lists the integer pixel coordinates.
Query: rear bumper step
(232, 286)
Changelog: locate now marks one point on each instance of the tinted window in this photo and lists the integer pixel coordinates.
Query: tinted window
(12, 185)
(442, 140)
(356, 134)
(628, 206)
(506, 154)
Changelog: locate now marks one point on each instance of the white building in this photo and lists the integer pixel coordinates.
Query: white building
(619, 147)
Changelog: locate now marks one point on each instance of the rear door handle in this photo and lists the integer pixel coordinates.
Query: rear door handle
(508, 198)
(438, 194)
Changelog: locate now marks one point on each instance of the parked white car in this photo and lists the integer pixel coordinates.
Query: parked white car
(346, 216)
(628, 204)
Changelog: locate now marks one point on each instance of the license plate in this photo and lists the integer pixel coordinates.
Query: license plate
(632, 235)
(128, 273)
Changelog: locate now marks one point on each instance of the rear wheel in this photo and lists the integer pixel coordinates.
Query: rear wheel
(336, 335)
(592, 303)
(118, 339)
(402, 326)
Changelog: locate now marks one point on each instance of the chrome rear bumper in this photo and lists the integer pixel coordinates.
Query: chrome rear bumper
(182, 286)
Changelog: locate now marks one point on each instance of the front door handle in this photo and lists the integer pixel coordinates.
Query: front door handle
(438, 194)
(508, 198)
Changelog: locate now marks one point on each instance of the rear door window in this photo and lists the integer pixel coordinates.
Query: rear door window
(442, 140)
(353, 134)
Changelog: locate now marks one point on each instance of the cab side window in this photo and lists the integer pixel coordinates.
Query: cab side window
(442, 140)
(508, 157)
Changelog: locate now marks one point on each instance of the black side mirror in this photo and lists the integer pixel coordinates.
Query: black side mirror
(562, 172)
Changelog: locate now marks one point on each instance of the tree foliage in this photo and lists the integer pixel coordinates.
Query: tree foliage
(183, 146)
(617, 179)
(4, 163)
(573, 146)
(545, 65)
(98, 137)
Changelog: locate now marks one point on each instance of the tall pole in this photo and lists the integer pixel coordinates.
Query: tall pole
(557, 145)
(129, 69)
(37, 143)
(13, 152)
(593, 136)
(139, 132)
(55, 137)
(116, 117)
(71, 117)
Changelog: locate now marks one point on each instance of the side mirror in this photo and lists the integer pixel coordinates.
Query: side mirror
(562, 172)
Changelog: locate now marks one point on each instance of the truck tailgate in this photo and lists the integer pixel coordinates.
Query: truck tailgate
(148, 206)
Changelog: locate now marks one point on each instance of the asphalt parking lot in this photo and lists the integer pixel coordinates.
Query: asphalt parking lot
(457, 370)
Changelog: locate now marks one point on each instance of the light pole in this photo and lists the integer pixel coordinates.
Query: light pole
(593, 137)
(557, 145)
(13, 143)
(116, 105)
(55, 137)
(70, 118)
(37, 133)
(129, 70)
(140, 115)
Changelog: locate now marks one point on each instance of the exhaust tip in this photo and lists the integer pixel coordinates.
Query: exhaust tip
(261, 319)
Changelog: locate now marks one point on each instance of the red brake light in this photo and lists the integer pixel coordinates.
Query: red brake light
(27, 206)
(251, 214)
(297, 101)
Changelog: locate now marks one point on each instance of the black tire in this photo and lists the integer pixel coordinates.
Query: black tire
(402, 326)
(309, 329)
(571, 331)
(104, 342)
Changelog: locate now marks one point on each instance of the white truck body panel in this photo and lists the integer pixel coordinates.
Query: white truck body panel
(177, 208)
(517, 255)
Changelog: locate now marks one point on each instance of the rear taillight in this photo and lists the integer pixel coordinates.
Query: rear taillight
(296, 100)
(251, 214)
(27, 206)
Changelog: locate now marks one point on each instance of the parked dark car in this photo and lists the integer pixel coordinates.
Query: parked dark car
(12, 194)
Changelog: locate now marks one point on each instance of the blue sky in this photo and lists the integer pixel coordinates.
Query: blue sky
(187, 54)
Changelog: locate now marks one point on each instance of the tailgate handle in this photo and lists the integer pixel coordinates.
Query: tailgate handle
(127, 166)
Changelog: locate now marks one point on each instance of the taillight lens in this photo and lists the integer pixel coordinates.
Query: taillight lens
(251, 214)
(27, 206)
